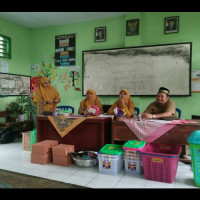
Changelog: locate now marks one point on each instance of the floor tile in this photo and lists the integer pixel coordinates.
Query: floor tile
(157, 184)
(131, 181)
(78, 180)
(13, 158)
(101, 183)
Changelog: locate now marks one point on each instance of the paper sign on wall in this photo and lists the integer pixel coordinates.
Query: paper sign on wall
(4, 66)
(65, 50)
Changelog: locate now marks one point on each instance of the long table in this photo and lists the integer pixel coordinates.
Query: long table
(177, 135)
(91, 134)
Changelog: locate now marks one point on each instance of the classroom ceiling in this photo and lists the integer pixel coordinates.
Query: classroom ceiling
(44, 19)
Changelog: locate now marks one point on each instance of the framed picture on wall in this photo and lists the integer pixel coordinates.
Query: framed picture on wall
(171, 24)
(100, 34)
(132, 27)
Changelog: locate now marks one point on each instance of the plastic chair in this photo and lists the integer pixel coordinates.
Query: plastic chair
(66, 108)
(136, 110)
(178, 110)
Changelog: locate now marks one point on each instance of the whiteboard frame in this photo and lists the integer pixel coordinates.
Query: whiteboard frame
(153, 94)
(21, 80)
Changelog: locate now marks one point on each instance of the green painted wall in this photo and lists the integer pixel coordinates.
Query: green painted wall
(37, 45)
(20, 52)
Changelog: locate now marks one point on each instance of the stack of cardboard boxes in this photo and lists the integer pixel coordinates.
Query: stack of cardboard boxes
(61, 154)
(50, 151)
(42, 151)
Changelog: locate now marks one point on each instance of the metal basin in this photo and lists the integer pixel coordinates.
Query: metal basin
(84, 158)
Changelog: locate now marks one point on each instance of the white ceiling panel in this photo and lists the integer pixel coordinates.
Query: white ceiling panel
(43, 19)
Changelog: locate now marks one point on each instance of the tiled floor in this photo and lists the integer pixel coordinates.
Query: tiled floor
(13, 158)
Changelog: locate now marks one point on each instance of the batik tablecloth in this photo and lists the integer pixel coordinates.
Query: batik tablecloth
(148, 131)
(65, 124)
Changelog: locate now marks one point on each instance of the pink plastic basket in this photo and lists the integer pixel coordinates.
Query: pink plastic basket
(160, 162)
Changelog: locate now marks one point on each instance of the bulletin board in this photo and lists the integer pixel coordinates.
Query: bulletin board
(142, 70)
(14, 84)
(65, 50)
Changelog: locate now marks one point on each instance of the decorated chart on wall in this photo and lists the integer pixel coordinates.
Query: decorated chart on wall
(70, 77)
(14, 84)
(195, 81)
(65, 50)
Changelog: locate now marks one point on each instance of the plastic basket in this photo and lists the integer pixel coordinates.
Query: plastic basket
(160, 162)
(33, 138)
(194, 145)
(195, 156)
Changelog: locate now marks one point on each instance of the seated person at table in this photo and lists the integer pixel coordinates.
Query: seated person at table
(90, 100)
(124, 102)
(46, 92)
(162, 107)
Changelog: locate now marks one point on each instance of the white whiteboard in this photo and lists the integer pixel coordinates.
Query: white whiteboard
(141, 70)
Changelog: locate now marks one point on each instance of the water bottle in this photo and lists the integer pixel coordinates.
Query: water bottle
(56, 112)
(139, 117)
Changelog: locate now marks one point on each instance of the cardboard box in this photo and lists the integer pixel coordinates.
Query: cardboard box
(62, 149)
(26, 141)
(62, 160)
(41, 159)
(43, 147)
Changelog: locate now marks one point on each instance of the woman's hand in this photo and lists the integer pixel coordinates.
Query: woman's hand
(56, 101)
(49, 101)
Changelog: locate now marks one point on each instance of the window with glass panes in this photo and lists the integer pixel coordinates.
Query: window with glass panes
(5, 47)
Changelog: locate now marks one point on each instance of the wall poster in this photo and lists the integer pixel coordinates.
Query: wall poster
(65, 50)
(14, 84)
(195, 80)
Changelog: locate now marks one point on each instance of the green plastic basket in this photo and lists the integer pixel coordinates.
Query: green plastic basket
(194, 145)
(33, 137)
(112, 149)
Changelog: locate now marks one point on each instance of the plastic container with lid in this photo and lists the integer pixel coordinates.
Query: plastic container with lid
(133, 167)
(112, 149)
(110, 164)
(132, 157)
(132, 148)
(194, 145)
(134, 145)
(110, 159)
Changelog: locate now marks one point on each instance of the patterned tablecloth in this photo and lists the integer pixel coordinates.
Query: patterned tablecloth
(147, 130)
(65, 124)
